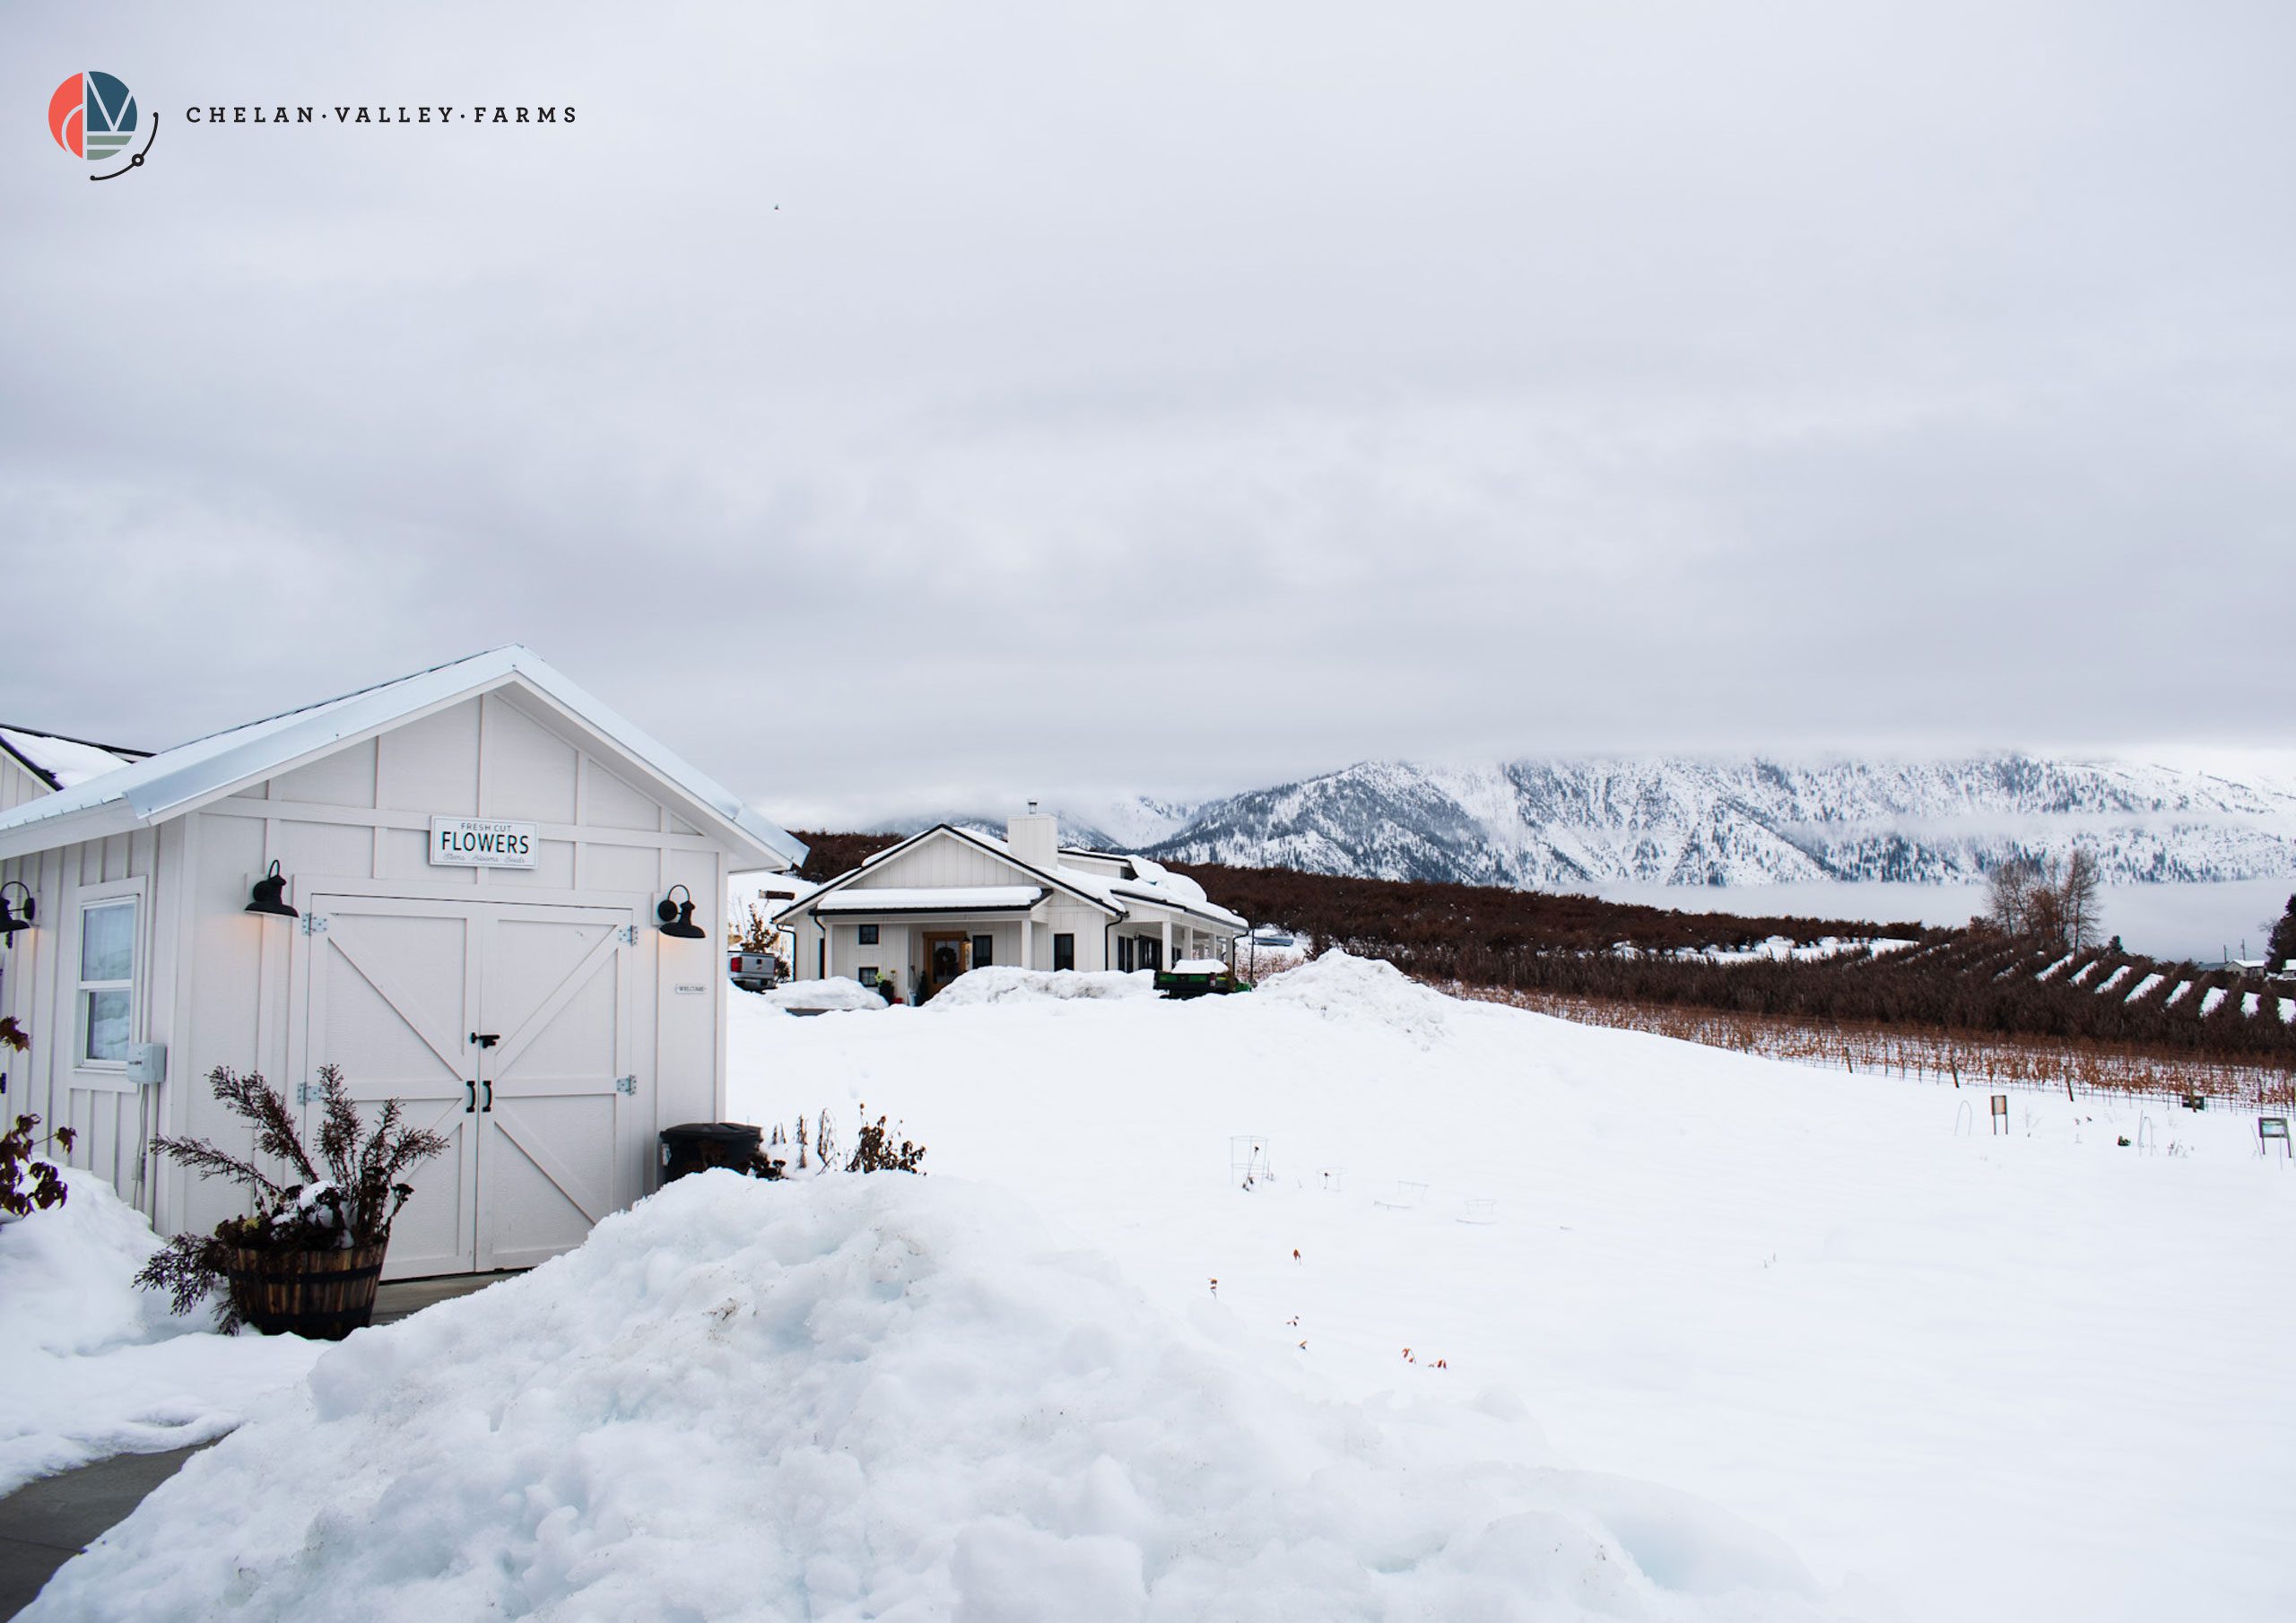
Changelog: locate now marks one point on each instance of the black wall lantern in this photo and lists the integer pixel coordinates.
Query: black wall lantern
(270, 895)
(11, 921)
(677, 917)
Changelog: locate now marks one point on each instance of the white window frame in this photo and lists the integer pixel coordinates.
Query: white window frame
(86, 897)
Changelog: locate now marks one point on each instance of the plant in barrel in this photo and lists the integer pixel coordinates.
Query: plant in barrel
(308, 1258)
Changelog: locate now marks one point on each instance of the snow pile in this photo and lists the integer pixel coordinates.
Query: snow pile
(1201, 966)
(1008, 984)
(881, 1397)
(1339, 985)
(91, 1366)
(836, 993)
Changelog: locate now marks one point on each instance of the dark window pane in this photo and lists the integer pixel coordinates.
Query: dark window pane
(868, 935)
(984, 951)
(1064, 951)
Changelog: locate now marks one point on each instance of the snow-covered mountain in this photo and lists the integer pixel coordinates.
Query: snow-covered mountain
(1130, 822)
(1691, 821)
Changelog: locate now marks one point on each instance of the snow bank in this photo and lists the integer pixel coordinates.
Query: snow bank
(1341, 987)
(91, 1366)
(1006, 984)
(888, 1398)
(836, 993)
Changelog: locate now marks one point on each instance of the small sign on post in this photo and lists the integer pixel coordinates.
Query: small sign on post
(2000, 1113)
(2271, 1127)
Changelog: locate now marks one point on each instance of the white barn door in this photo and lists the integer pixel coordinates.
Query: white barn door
(557, 1140)
(394, 991)
(404, 993)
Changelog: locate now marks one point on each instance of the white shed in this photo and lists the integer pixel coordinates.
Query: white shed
(476, 855)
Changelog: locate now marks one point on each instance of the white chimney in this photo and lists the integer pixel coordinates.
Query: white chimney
(1035, 838)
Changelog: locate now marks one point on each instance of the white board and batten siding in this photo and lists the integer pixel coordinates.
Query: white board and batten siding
(39, 987)
(17, 784)
(606, 1030)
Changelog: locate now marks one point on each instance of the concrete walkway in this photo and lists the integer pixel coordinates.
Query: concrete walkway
(45, 1523)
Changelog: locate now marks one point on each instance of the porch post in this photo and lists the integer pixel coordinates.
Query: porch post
(1027, 929)
(1168, 942)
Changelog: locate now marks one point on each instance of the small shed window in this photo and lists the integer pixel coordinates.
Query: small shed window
(868, 935)
(107, 980)
(984, 951)
(1064, 951)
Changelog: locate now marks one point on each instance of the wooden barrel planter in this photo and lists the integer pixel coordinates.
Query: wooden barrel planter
(324, 1294)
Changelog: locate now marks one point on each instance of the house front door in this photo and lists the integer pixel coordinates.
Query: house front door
(947, 955)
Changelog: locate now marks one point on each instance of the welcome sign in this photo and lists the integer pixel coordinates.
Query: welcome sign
(471, 842)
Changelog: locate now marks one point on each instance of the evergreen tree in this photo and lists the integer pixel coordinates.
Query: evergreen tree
(2282, 946)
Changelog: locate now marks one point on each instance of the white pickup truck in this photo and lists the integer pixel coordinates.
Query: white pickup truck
(756, 971)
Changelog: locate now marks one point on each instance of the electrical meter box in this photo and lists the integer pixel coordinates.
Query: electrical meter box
(147, 1064)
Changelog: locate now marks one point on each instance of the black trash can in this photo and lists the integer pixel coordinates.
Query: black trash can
(697, 1146)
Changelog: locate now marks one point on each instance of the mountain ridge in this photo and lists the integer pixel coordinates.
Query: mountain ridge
(1549, 823)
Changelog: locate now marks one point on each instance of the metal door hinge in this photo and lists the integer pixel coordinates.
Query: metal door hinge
(313, 924)
(629, 934)
(625, 1084)
(305, 1093)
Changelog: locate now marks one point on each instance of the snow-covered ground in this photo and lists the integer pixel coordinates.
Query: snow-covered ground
(886, 1398)
(1784, 949)
(2202, 921)
(90, 1367)
(1516, 1319)
(1962, 1378)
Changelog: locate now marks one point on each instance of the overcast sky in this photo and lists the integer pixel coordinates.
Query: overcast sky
(916, 404)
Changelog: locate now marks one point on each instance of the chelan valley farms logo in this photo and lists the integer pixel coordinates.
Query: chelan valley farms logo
(93, 116)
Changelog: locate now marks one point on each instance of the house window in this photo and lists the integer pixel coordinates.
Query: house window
(1152, 952)
(868, 974)
(983, 951)
(1123, 953)
(107, 980)
(1064, 951)
(868, 935)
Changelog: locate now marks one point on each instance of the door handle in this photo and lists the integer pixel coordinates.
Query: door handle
(486, 1039)
(471, 1105)
(490, 1095)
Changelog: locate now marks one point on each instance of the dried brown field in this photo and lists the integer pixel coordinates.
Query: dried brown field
(1960, 1059)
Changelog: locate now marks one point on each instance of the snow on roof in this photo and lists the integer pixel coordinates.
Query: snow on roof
(65, 763)
(932, 899)
(1139, 880)
(179, 780)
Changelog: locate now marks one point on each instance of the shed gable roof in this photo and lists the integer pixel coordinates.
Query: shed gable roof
(180, 780)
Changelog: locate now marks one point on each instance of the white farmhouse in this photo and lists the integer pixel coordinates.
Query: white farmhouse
(923, 912)
(475, 888)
